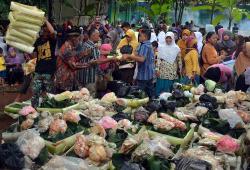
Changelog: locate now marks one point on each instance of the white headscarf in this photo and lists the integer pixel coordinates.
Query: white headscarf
(199, 37)
(161, 37)
(167, 52)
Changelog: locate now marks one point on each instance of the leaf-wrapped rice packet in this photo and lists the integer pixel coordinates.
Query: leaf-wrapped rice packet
(58, 126)
(160, 123)
(31, 144)
(72, 116)
(134, 103)
(156, 147)
(28, 10)
(178, 124)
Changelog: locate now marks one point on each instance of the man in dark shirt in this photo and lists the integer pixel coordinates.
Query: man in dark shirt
(46, 62)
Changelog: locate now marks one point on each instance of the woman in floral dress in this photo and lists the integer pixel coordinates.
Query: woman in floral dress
(169, 64)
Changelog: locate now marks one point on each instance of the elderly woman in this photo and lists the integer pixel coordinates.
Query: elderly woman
(169, 64)
(226, 44)
(67, 62)
(209, 54)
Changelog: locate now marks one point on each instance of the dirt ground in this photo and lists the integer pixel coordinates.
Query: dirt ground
(7, 97)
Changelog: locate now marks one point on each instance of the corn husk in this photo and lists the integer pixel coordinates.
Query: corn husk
(28, 39)
(22, 47)
(61, 146)
(19, 16)
(26, 25)
(16, 39)
(28, 10)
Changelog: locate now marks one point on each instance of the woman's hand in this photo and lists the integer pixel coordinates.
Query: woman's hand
(157, 73)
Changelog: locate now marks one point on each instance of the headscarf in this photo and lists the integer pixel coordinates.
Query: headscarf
(229, 43)
(167, 52)
(134, 43)
(243, 61)
(247, 76)
(3, 46)
(186, 32)
(220, 32)
(210, 28)
(199, 37)
(105, 49)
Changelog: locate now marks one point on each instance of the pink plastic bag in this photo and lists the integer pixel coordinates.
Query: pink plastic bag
(108, 123)
(227, 144)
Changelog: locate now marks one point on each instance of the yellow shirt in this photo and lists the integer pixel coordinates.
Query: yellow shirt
(192, 63)
(2, 64)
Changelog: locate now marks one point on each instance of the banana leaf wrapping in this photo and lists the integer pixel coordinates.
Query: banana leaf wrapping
(19, 16)
(28, 39)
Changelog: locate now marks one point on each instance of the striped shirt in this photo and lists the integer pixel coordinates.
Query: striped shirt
(87, 76)
(146, 70)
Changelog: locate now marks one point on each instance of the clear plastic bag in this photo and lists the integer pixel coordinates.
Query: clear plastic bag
(30, 143)
(69, 163)
(232, 117)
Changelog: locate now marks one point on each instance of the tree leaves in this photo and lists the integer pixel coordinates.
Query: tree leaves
(217, 19)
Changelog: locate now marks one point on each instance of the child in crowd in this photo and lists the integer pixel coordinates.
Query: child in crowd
(105, 69)
(14, 67)
(2, 68)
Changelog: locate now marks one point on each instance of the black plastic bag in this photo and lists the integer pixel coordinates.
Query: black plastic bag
(184, 163)
(132, 166)
(205, 98)
(115, 85)
(120, 116)
(136, 92)
(168, 106)
(153, 105)
(123, 91)
(11, 157)
(141, 115)
(177, 93)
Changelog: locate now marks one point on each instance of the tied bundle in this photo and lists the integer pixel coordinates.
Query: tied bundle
(25, 24)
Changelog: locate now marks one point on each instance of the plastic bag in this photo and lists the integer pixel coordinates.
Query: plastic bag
(108, 123)
(69, 163)
(185, 163)
(141, 115)
(232, 117)
(120, 116)
(155, 147)
(132, 166)
(153, 106)
(227, 144)
(31, 143)
(11, 157)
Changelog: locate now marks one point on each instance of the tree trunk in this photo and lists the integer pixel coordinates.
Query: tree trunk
(50, 9)
(212, 12)
(80, 13)
(176, 11)
(60, 11)
(98, 8)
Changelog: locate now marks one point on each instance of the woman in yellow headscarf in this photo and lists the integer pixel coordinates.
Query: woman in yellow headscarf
(182, 42)
(127, 68)
(129, 39)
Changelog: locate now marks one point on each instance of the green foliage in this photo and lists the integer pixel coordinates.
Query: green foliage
(217, 19)
(156, 8)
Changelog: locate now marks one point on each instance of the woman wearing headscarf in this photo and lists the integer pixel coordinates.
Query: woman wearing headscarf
(199, 38)
(243, 60)
(130, 39)
(192, 68)
(126, 68)
(169, 64)
(226, 44)
(209, 54)
(182, 42)
(240, 41)
(14, 67)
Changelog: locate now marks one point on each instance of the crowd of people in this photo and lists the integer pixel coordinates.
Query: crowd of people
(71, 57)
